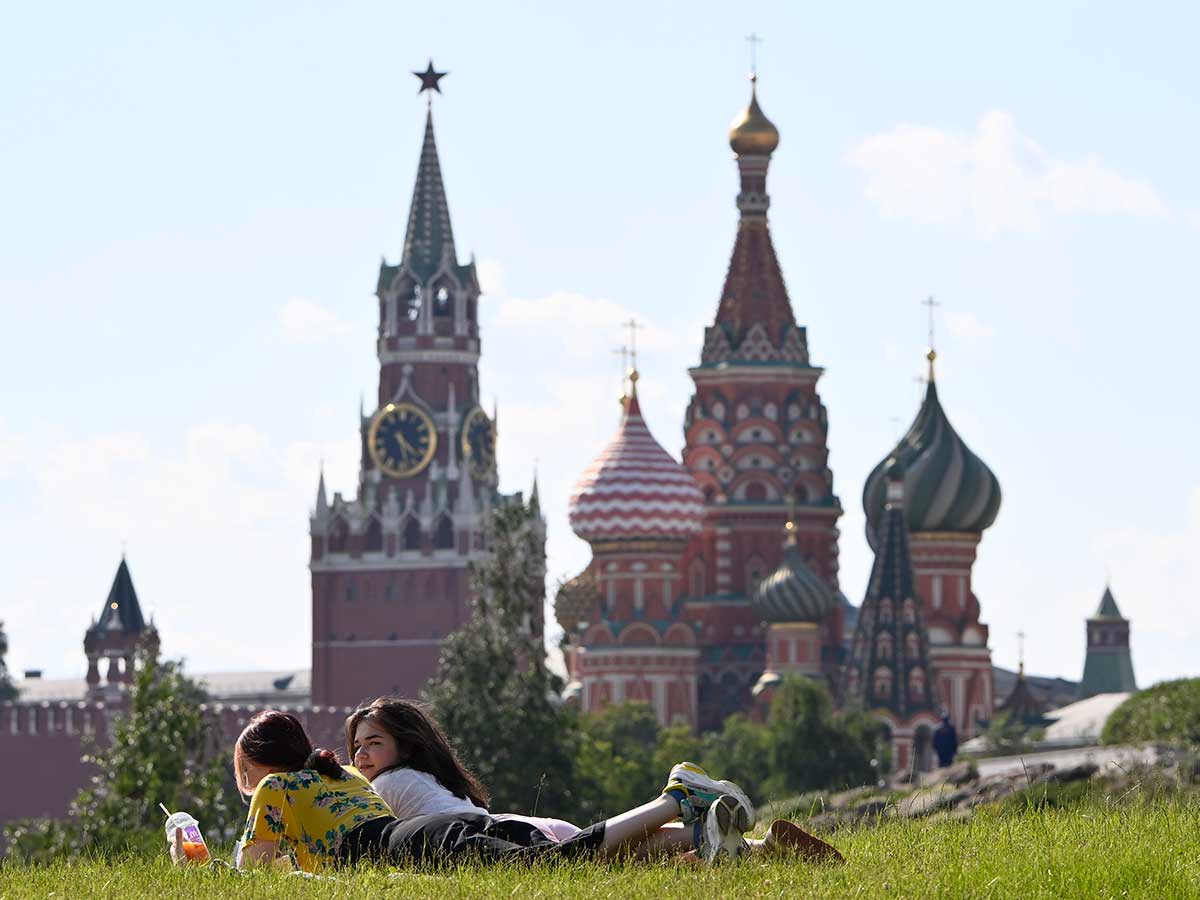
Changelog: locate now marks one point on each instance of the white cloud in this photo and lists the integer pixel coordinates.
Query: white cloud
(965, 325)
(491, 276)
(305, 321)
(996, 178)
(12, 450)
(1156, 581)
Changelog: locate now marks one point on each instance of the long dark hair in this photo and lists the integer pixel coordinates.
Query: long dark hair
(421, 743)
(277, 739)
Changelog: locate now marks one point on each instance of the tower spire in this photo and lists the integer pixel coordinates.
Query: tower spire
(429, 240)
(754, 295)
(931, 353)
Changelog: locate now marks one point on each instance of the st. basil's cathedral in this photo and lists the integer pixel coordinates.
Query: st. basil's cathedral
(713, 577)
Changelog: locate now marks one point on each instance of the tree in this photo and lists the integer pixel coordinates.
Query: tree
(493, 693)
(163, 749)
(8, 690)
(615, 767)
(1168, 712)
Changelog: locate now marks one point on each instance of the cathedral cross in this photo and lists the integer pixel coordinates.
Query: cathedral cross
(753, 40)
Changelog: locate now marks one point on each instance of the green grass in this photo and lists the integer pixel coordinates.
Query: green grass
(1097, 850)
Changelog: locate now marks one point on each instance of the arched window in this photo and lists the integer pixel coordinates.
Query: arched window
(412, 303)
(883, 682)
(916, 684)
(444, 536)
(883, 646)
(339, 533)
(908, 612)
(373, 540)
(912, 645)
(412, 533)
(756, 491)
(885, 611)
(441, 303)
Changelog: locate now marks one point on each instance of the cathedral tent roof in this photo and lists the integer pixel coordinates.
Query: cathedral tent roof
(635, 490)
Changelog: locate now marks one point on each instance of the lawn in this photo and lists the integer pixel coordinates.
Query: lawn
(1099, 850)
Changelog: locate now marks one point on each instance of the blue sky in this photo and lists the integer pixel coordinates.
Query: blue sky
(193, 204)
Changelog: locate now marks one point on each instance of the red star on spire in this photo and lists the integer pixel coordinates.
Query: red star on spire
(429, 79)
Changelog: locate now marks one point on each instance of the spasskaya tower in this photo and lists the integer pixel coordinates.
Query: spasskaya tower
(390, 566)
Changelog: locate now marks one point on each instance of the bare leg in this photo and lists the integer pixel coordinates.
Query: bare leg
(632, 828)
(670, 838)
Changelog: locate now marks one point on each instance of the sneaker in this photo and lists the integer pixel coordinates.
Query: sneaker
(788, 837)
(696, 791)
(724, 824)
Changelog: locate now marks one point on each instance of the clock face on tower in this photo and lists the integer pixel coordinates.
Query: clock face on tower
(402, 440)
(479, 443)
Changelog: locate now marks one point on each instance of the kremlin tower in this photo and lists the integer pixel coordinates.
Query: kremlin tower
(952, 497)
(755, 440)
(390, 566)
(638, 508)
(1108, 667)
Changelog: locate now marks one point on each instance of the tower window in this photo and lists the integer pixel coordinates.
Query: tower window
(444, 538)
(413, 304)
(441, 302)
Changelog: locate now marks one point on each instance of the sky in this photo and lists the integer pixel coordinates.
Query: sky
(194, 201)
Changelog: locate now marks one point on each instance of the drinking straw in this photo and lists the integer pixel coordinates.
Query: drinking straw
(166, 812)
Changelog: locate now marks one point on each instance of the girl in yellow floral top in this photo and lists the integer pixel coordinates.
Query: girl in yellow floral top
(303, 802)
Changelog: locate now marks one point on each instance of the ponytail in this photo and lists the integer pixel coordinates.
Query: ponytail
(324, 762)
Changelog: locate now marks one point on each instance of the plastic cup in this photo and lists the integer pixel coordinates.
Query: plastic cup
(194, 847)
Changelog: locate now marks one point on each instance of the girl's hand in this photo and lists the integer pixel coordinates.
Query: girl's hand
(175, 848)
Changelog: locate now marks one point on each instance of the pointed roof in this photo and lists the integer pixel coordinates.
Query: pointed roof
(754, 291)
(946, 486)
(429, 238)
(884, 653)
(754, 316)
(1022, 706)
(121, 612)
(1107, 610)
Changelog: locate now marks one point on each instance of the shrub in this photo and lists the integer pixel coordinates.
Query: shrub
(1168, 712)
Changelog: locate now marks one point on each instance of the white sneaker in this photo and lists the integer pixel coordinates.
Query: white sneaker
(724, 824)
(702, 791)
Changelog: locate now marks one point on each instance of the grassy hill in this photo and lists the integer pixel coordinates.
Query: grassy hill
(1127, 848)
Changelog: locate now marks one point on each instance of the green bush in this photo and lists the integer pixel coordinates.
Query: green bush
(1168, 712)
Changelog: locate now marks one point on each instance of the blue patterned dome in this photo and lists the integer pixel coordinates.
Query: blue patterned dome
(793, 592)
(946, 486)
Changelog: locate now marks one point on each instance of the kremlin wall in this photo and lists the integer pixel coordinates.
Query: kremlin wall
(711, 576)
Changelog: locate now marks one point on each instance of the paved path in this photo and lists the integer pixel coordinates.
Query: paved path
(1105, 757)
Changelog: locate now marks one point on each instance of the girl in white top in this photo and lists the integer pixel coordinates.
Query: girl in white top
(409, 762)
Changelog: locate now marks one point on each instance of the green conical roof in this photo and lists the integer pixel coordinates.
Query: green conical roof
(429, 238)
(1108, 607)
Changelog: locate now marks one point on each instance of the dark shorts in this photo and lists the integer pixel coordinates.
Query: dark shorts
(452, 838)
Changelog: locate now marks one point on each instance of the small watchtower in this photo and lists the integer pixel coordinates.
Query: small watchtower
(114, 637)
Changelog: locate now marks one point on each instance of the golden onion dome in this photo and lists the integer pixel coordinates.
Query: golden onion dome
(752, 133)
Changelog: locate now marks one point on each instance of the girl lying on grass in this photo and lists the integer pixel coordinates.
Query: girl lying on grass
(303, 804)
(402, 750)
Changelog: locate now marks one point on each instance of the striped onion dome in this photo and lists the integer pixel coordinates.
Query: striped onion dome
(946, 486)
(793, 592)
(635, 490)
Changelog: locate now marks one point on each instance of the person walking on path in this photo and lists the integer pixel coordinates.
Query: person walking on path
(945, 742)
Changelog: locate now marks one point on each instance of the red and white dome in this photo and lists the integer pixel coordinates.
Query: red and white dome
(635, 490)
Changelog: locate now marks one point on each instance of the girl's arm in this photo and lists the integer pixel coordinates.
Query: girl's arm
(257, 853)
